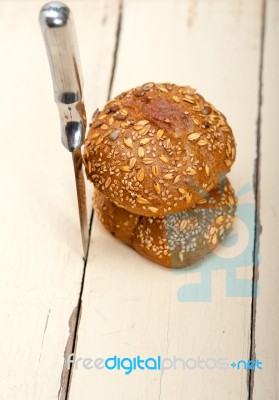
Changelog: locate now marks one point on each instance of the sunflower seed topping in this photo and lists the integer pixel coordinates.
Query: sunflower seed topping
(114, 134)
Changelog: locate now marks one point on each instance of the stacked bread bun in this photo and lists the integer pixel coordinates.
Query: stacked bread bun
(158, 156)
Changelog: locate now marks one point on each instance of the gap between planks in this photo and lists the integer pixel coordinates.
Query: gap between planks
(257, 232)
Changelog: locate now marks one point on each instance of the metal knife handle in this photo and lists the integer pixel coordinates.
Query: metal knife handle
(61, 43)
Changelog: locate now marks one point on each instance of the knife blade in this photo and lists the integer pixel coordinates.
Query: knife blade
(60, 39)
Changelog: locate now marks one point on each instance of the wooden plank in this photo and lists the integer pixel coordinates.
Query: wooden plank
(267, 304)
(41, 254)
(130, 305)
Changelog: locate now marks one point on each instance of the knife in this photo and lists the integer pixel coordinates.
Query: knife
(62, 48)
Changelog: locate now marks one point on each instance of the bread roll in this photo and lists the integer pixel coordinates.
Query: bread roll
(176, 240)
(158, 148)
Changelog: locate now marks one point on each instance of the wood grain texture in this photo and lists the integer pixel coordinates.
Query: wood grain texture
(130, 305)
(267, 304)
(41, 254)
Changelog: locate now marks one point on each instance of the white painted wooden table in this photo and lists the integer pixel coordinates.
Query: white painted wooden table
(118, 303)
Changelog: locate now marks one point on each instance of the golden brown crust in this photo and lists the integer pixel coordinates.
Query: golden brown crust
(119, 222)
(157, 149)
(176, 240)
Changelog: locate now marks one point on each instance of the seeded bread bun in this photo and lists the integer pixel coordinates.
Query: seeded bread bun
(175, 240)
(157, 149)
